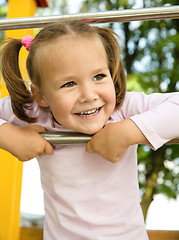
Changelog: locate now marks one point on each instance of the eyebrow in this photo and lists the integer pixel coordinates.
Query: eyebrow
(63, 80)
(100, 69)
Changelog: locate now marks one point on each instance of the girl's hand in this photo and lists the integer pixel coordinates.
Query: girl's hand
(24, 143)
(114, 139)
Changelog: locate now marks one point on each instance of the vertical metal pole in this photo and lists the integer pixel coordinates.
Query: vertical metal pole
(10, 167)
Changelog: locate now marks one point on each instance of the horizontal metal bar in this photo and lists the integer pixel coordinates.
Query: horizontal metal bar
(76, 138)
(170, 12)
(66, 137)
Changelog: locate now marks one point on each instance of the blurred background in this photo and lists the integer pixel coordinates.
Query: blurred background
(150, 53)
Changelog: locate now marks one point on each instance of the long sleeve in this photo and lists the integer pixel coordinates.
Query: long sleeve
(156, 115)
(5, 110)
(6, 113)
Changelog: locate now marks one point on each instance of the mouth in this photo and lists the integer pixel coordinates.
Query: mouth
(89, 113)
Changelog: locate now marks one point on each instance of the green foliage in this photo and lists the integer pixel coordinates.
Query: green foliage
(150, 53)
(3, 12)
(151, 59)
(133, 83)
(56, 7)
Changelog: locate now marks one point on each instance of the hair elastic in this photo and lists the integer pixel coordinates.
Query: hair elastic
(90, 20)
(26, 41)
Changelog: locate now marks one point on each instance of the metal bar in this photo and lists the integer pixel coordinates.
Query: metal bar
(171, 12)
(75, 138)
(66, 137)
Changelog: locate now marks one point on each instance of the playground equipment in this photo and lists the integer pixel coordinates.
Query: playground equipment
(71, 137)
(10, 167)
(20, 17)
(100, 17)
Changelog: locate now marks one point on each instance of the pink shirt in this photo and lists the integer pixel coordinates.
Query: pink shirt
(87, 197)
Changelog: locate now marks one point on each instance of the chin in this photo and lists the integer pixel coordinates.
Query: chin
(91, 131)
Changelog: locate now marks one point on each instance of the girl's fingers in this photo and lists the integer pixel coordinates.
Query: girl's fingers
(89, 148)
(48, 149)
(38, 128)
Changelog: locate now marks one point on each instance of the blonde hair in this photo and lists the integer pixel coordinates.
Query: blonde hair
(21, 97)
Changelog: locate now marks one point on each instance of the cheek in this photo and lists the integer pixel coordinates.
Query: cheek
(61, 107)
(110, 94)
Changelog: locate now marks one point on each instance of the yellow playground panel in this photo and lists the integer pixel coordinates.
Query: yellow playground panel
(10, 167)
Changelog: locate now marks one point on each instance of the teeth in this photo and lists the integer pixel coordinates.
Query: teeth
(89, 113)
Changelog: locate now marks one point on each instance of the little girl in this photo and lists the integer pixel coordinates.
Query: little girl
(78, 84)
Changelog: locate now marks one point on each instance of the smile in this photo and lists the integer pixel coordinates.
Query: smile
(89, 112)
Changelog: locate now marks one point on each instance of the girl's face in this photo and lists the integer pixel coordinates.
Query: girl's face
(77, 85)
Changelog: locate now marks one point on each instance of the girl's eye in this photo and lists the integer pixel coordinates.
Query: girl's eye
(68, 84)
(99, 77)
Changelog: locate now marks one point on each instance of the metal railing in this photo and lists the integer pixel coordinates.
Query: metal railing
(145, 14)
(171, 12)
(76, 138)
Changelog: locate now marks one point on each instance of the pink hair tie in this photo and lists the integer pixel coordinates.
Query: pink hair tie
(26, 41)
(90, 20)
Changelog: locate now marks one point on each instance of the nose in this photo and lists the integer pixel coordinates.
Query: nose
(88, 93)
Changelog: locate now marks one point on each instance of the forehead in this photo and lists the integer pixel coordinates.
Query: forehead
(69, 50)
(70, 44)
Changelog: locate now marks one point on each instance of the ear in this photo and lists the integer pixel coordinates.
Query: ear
(38, 96)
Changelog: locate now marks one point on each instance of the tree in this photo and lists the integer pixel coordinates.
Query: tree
(151, 59)
(55, 7)
(3, 11)
(154, 45)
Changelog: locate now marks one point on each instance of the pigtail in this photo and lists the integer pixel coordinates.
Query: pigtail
(21, 98)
